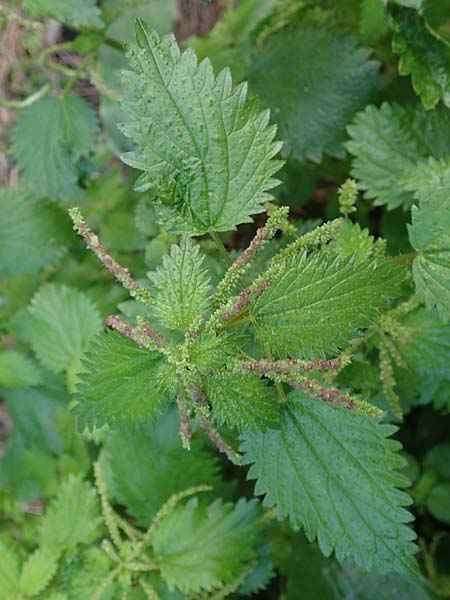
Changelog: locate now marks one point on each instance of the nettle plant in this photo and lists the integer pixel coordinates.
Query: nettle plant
(252, 361)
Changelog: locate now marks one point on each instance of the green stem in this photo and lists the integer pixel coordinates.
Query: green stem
(18, 104)
(75, 76)
(220, 247)
(405, 259)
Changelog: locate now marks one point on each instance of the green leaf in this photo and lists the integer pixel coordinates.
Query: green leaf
(314, 97)
(241, 400)
(373, 22)
(122, 14)
(117, 383)
(160, 466)
(199, 547)
(33, 232)
(75, 13)
(182, 285)
(229, 42)
(438, 458)
(309, 309)
(427, 350)
(204, 148)
(430, 236)
(18, 370)
(37, 571)
(352, 240)
(9, 573)
(423, 54)
(333, 472)
(390, 143)
(438, 502)
(49, 139)
(72, 518)
(61, 322)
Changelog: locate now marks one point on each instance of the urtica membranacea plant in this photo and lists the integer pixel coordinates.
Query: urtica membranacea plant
(256, 356)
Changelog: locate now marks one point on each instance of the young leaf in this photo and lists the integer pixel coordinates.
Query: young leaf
(309, 309)
(427, 350)
(423, 55)
(389, 144)
(329, 72)
(430, 236)
(117, 383)
(33, 232)
(201, 144)
(9, 573)
(332, 472)
(241, 400)
(18, 370)
(61, 322)
(182, 283)
(373, 22)
(74, 13)
(199, 547)
(146, 466)
(37, 571)
(73, 517)
(49, 138)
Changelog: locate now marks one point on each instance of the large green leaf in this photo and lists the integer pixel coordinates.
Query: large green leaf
(61, 322)
(333, 472)
(33, 232)
(389, 144)
(75, 13)
(429, 234)
(118, 383)
(202, 146)
(72, 518)
(199, 547)
(161, 467)
(49, 139)
(318, 302)
(313, 97)
(423, 55)
(241, 400)
(182, 284)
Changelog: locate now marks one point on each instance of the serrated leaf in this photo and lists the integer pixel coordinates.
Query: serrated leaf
(75, 13)
(18, 370)
(61, 322)
(205, 149)
(33, 232)
(241, 400)
(161, 467)
(319, 302)
(83, 572)
(183, 286)
(389, 144)
(228, 43)
(352, 240)
(199, 547)
(430, 236)
(49, 139)
(117, 383)
(38, 571)
(423, 54)
(9, 573)
(427, 350)
(329, 72)
(333, 472)
(72, 518)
